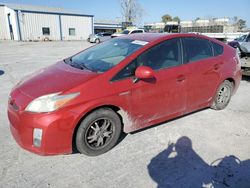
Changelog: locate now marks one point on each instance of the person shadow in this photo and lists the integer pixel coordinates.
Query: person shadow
(179, 166)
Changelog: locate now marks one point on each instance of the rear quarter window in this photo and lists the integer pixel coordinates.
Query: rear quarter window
(218, 49)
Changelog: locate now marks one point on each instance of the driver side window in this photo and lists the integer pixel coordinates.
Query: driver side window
(127, 71)
(164, 55)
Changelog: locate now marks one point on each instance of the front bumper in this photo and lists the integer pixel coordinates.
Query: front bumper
(57, 127)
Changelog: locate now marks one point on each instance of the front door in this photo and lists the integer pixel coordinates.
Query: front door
(165, 94)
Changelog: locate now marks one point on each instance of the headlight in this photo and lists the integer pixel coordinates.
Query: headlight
(49, 103)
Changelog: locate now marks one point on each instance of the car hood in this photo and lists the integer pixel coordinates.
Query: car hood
(59, 77)
(92, 35)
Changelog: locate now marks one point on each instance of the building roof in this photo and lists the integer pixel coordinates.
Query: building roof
(108, 22)
(41, 9)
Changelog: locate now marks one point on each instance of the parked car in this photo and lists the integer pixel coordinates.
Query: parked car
(236, 42)
(245, 45)
(127, 32)
(123, 84)
(99, 37)
(242, 45)
(245, 56)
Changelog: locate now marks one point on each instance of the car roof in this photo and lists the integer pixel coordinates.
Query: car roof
(150, 37)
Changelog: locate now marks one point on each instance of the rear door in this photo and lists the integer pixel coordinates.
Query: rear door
(204, 71)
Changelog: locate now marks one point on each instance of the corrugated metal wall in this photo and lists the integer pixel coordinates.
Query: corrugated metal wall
(4, 30)
(4, 24)
(83, 27)
(31, 25)
(13, 22)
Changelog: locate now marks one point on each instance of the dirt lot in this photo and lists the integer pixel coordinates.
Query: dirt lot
(201, 141)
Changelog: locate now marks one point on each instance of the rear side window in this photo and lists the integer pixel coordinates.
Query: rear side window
(197, 49)
(218, 49)
(136, 31)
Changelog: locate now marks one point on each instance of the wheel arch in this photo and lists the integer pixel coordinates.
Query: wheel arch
(232, 81)
(112, 107)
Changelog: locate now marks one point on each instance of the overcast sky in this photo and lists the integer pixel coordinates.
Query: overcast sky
(185, 9)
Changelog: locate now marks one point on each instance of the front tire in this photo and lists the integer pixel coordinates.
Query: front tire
(98, 132)
(223, 96)
(97, 41)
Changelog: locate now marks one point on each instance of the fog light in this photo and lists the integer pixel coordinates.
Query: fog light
(37, 137)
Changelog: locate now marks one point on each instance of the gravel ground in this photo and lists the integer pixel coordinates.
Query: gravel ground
(206, 148)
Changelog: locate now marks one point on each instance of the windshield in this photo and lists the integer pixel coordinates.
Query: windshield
(125, 32)
(104, 56)
(241, 39)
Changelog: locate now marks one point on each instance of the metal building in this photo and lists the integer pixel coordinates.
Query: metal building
(34, 23)
(110, 26)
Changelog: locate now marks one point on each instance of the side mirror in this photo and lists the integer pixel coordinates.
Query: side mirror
(144, 72)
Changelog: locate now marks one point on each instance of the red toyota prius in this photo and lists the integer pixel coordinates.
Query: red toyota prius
(123, 84)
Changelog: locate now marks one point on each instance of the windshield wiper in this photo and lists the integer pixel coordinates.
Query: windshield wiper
(81, 66)
(68, 60)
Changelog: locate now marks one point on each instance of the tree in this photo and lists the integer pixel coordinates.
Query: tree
(198, 18)
(241, 24)
(166, 18)
(177, 19)
(131, 10)
(235, 19)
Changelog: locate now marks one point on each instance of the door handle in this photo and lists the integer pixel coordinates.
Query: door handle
(181, 78)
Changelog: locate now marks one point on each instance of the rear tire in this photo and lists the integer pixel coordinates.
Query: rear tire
(98, 132)
(223, 95)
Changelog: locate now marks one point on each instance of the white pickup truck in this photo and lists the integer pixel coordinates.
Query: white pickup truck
(127, 32)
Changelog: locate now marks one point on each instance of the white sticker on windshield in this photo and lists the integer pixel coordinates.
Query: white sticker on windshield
(140, 42)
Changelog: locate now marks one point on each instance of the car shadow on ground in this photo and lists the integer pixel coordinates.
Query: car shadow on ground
(180, 166)
(1, 72)
(246, 78)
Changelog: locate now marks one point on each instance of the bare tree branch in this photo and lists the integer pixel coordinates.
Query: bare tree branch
(131, 10)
